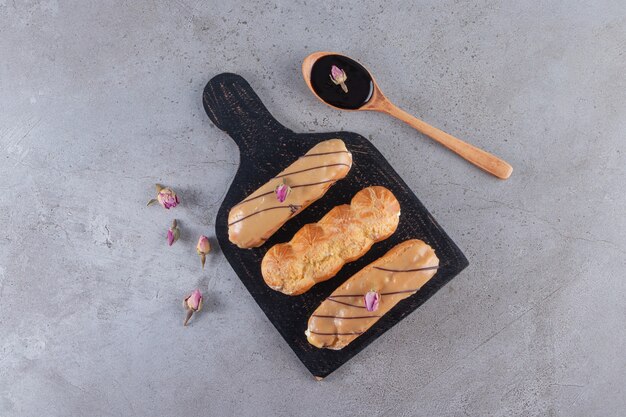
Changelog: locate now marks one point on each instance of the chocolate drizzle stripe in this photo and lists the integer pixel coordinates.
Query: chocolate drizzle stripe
(427, 268)
(261, 211)
(323, 153)
(347, 304)
(271, 192)
(399, 292)
(337, 334)
(382, 293)
(314, 183)
(346, 318)
(344, 295)
(311, 169)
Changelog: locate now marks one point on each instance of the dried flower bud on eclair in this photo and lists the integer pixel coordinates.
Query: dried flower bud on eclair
(372, 298)
(282, 191)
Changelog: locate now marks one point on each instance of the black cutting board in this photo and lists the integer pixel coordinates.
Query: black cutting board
(266, 148)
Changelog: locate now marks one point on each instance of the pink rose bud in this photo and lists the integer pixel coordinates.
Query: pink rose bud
(282, 191)
(173, 234)
(372, 298)
(336, 73)
(339, 77)
(165, 197)
(203, 248)
(193, 304)
(194, 301)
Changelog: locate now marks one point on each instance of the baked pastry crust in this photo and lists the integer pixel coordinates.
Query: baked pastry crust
(252, 221)
(400, 273)
(319, 250)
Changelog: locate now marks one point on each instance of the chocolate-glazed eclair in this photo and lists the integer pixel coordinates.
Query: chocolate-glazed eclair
(370, 293)
(262, 213)
(319, 250)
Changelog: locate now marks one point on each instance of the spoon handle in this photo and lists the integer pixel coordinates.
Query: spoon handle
(482, 159)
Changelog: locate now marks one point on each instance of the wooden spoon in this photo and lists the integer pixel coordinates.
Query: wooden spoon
(378, 102)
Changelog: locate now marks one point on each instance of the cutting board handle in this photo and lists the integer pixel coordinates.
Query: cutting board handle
(233, 106)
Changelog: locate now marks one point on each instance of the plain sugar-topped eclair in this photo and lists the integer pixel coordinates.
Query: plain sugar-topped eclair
(369, 294)
(262, 213)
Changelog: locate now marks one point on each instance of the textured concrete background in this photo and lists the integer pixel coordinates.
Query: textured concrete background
(99, 100)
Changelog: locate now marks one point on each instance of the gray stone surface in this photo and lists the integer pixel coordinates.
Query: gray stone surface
(100, 99)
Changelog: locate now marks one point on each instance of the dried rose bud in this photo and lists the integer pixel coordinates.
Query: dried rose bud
(173, 234)
(193, 304)
(282, 191)
(339, 77)
(372, 298)
(165, 197)
(203, 248)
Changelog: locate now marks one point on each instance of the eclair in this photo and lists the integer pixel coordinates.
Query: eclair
(252, 221)
(319, 250)
(369, 294)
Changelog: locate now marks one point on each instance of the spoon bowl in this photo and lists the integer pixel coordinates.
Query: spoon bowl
(360, 91)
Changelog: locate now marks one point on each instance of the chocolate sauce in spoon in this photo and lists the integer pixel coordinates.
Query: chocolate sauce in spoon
(359, 82)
